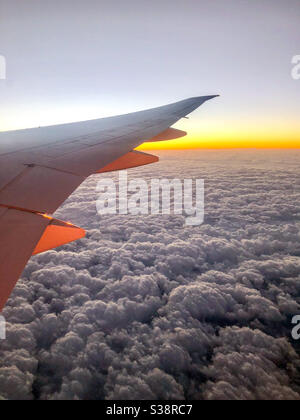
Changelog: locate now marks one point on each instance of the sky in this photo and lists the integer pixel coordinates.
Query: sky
(76, 60)
(147, 307)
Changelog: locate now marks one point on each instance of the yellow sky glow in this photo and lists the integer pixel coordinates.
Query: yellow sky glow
(211, 142)
(206, 134)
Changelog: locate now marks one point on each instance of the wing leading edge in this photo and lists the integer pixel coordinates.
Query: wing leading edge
(40, 168)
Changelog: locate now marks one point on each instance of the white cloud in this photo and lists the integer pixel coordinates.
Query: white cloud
(149, 308)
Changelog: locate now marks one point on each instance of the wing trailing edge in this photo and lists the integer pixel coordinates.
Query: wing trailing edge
(132, 159)
(169, 134)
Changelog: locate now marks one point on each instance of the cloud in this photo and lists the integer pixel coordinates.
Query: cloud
(246, 366)
(148, 308)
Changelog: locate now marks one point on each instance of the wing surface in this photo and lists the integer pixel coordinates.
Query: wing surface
(41, 167)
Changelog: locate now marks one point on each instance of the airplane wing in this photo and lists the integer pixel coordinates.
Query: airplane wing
(41, 167)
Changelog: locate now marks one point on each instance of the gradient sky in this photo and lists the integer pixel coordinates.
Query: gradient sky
(72, 60)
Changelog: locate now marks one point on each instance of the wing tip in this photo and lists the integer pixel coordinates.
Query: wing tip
(205, 98)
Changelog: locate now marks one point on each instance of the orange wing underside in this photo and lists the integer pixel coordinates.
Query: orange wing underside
(27, 233)
(128, 161)
(57, 234)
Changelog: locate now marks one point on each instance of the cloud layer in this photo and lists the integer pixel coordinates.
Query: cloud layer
(147, 308)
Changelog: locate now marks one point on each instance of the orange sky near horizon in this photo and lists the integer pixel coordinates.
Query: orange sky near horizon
(206, 135)
(220, 144)
(212, 141)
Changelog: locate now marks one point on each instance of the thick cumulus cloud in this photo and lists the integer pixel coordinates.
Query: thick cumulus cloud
(148, 308)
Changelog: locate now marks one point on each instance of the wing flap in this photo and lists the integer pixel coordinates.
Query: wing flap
(130, 160)
(56, 234)
(23, 234)
(169, 134)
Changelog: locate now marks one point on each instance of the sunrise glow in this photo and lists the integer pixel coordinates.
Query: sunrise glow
(233, 134)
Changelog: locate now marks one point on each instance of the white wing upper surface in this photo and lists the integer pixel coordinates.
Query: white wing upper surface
(41, 167)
